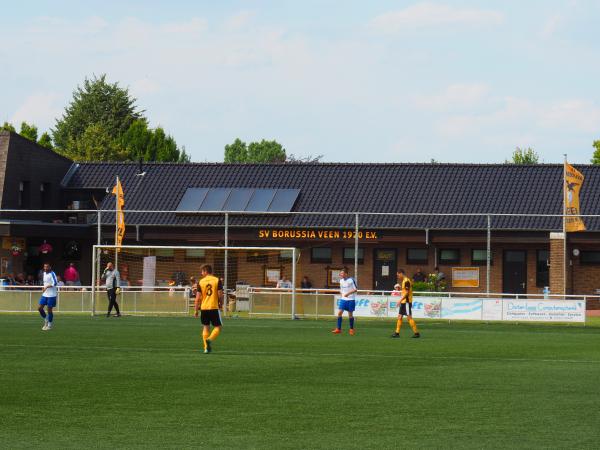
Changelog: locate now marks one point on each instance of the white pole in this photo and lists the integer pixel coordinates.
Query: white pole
(356, 249)
(225, 269)
(94, 280)
(294, 283)
(565, 226)
(489, 254)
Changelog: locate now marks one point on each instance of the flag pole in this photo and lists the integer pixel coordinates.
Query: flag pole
(565, 225)
(117, 224)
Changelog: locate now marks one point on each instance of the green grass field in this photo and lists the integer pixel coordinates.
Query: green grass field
(142, 382)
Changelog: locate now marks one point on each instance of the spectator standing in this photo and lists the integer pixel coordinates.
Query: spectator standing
(306, 284)
(419, 275)
(71, 276)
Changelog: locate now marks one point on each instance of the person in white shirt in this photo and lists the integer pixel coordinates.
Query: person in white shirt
(49, 295)
(347, 302)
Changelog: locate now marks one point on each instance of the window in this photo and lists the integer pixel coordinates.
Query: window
(417, 256)
(449, 256)
(542, 272)
(24, 195)
(320, 255)
(286, 255)
(195, 254)
(45, 195)
(479, 257)
(165, 254)
(589, 257)
(257, 257)
(348, 255)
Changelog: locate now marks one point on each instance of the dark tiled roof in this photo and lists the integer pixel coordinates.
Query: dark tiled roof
(370, 188)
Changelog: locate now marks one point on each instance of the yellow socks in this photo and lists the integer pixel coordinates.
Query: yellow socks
(398, 325)
(215, 333)
(205, 335)
(413, 325)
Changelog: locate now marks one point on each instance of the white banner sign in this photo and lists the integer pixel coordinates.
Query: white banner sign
(544, 310)
(455, 308)
(149, 275)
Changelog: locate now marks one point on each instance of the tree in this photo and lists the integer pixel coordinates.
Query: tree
(96, 144)
(45, 141)
(7, 127)
(255, 152)
(266, 152)
(97, 102)
(524, 156)
(236, 152)
(596, 157)
(29, 131)
(103, 113)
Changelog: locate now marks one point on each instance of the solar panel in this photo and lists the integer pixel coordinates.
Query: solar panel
(192, 199)
(215, 199)
(284, 200)
(261, 199)
(238, 199)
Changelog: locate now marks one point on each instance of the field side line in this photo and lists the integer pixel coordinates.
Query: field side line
(297, 354)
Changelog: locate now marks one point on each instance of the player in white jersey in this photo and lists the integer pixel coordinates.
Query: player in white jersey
(49, 296)
(347, 301)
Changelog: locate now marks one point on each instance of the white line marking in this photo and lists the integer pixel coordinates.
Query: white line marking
(176, 350)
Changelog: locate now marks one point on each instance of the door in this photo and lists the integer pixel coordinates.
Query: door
(514, 272)
(384, 269)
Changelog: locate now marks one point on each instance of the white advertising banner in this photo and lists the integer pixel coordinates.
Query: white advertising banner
(455, 308)
(544, 310)
(149, 275)
(492, 309)
(462, 308)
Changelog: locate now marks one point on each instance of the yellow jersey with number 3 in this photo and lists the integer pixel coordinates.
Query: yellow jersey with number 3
(209, 288)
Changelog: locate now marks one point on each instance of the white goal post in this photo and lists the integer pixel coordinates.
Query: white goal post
(158, 279)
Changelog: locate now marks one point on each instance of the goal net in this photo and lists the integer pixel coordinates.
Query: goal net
(161, 279)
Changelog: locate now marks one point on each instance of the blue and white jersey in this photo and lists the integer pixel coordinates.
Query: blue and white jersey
(346, 286)
(50, 280)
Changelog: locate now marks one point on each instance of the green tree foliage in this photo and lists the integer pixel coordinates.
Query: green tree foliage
(7, 127)
(139, 141)
(596, 157)
(105, 113)
(95, 144)
(29, 131)
(236, 152)
(96, 102)
(45, 141)
(255, 152)
(524, 156)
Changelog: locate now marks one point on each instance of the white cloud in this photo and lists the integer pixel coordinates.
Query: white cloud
(551, 26)
(239, 20)
(144, 86)
(40, 109)
(524, 117)
(423, 15)
(456, 96)
(194, 25)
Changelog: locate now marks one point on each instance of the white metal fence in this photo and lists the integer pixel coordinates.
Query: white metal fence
(155, 300)
(317, 303)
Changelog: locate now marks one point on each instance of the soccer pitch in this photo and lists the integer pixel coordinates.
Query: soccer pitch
(143, 382)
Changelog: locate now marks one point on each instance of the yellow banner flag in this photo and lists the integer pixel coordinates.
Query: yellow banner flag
(120, 202)
(573, 183)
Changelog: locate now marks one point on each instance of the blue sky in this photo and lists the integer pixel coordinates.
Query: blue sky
(380, 81)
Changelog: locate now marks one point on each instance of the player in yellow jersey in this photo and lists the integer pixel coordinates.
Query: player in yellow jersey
(209, 300)
(406, 299)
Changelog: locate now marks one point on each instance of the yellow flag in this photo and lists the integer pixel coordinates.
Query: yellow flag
(120, 202)
(573, 183)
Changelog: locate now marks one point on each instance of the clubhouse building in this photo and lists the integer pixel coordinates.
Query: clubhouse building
(412, 216)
